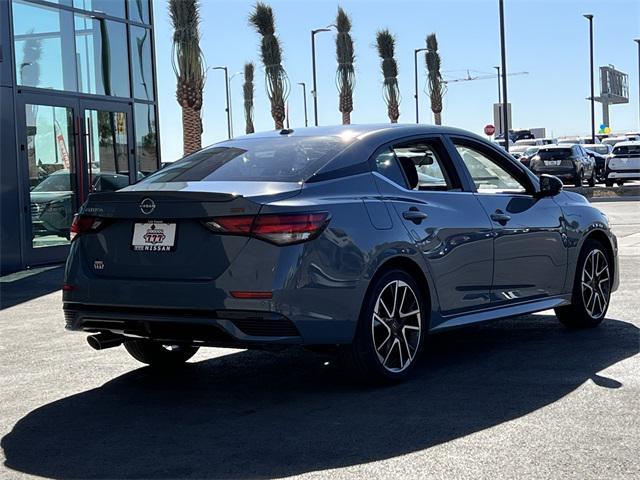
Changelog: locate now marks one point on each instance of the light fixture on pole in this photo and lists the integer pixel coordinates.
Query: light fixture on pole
(304, 98)
(228, 110)
(503, 50)
(314, 92)
(589, 17)
(415, 78)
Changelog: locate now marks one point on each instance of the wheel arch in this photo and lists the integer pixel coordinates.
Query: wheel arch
(601, 237)
(410, 266)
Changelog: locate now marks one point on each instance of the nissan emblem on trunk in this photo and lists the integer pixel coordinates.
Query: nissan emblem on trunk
(147, 206)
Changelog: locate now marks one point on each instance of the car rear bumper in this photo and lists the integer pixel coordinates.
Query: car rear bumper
(626, 174)
(225, 328)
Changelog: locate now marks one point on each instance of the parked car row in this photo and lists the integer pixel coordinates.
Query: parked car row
(579, 163)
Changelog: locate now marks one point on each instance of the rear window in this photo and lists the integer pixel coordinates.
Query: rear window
(555, 153)
(627, 150)
(601, 149)
(264, 159)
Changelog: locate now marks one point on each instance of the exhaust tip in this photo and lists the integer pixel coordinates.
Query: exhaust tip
(100, 341)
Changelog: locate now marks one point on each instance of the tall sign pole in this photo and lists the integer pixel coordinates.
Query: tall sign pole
(589, 17)
(503, 48)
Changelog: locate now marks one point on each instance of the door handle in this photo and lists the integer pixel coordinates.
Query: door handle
(500, 217)
(414, 215)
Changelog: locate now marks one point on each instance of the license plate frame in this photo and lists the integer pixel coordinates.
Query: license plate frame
(157, 236)
(552, 163)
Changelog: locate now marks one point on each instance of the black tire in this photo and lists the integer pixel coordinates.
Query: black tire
(608, 183)
(578, 180)
(592, 181)
(582, 313)
(620, 183)
(362, 359)
(159, 355)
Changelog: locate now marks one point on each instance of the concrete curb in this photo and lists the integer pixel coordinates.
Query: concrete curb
(611, 194)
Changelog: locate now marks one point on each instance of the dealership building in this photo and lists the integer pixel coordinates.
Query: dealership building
(78, 114)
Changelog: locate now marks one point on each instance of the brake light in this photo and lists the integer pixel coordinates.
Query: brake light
(281, 229)
(83, 224)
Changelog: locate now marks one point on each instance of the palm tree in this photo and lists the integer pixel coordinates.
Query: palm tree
(345, 76)
(247, 89)
(277, 82)
(437, 87)
(188, 65)
(386, 47)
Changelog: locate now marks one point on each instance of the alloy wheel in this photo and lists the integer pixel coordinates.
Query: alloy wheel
(596, 283)
(396, 326)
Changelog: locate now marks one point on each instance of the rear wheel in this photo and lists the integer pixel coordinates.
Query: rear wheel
(391, 329)
(591, 289)
(159, 355)
(620, 183)
(578, 180)
(592, 181)
(608, 183)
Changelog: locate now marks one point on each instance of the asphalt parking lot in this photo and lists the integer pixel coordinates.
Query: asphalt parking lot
(521, 398)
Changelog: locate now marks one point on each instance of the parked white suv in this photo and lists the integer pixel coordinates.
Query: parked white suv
(623, 163)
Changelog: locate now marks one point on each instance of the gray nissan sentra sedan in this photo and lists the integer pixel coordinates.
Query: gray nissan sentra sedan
(359, 238)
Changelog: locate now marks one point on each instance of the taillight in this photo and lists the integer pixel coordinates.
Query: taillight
(83, 224)
(281, 229)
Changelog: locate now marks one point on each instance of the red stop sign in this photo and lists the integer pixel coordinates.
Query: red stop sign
(489, 130)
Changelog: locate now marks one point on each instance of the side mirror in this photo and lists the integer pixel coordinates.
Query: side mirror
(550, 185)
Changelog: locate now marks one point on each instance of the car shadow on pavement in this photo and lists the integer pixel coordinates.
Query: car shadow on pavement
(259, 415)
(21, 287)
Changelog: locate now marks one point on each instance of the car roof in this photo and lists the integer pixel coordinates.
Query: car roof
(355, 131)
(628, 143)
(558, 146)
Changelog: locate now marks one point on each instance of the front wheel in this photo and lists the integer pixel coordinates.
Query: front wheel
(591, 289)
(159, 355)
(391, 329)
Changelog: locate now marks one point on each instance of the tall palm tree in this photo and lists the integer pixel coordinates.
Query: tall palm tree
(436, 85)
(345, 76)
(188, 65)
(277, 82)
(247, 89)
(386, 47)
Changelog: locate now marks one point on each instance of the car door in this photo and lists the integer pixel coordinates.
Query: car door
(530, 257)
(449, 227)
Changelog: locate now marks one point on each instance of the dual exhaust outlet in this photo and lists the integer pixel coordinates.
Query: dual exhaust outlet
(100, 341)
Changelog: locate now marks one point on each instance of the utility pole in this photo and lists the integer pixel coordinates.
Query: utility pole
(589, 17)
(415, 76)
(503, 48)
(304, 96)
(499, 91)
(228, 110)
(313, 66)
(637, 40)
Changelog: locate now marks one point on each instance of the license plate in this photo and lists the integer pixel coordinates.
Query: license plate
(552, 163)
(154, 237)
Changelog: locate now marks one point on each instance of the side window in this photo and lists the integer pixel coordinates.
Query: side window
(423, 163)
(387, 165)
(488, 176)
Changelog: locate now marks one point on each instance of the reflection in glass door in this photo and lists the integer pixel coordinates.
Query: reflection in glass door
(107, 150)
(50, 156)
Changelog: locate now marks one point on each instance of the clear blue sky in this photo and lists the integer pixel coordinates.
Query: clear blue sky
(548, 38)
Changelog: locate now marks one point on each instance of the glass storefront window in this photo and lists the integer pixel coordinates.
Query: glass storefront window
(141, 63)
(51, 173)
(114, 8)
(139, 11)
(144, 117)
(43, 45)
(101, 51)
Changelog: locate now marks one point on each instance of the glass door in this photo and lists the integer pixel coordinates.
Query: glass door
(107, 148)
(48, 165)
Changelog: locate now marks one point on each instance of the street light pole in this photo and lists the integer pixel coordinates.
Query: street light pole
(589, 17)
(304, 97)
(415, 76)
(505, 103)
(230, 97)
(228, 110)
(499, 92)
(313, 64)
(637, 40)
